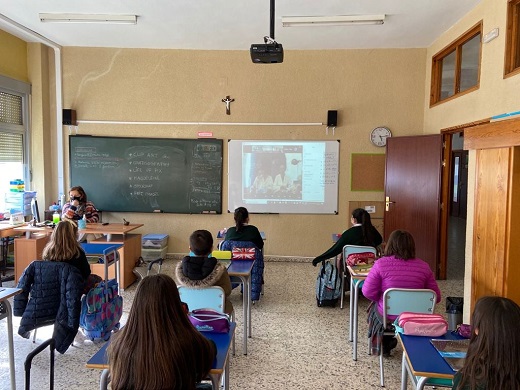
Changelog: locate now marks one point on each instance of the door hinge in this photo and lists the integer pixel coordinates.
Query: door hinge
(442, 206)
(444, 163)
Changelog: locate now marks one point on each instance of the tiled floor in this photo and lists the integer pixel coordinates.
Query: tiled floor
(294, 344)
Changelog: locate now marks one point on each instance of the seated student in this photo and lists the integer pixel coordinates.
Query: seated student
(167, 352)
(64, 246)
(199, 269)
(493, 358)
(242, 231)
(362, 232)
(398, 268)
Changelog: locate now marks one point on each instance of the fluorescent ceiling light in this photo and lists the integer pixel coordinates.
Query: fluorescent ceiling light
(88, 18)
(338, 20)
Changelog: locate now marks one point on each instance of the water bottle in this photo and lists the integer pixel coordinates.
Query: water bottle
(82, 223)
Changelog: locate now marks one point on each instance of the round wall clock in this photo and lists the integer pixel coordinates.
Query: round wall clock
(379, 135)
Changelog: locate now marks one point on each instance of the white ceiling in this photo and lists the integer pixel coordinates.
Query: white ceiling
(236, 24)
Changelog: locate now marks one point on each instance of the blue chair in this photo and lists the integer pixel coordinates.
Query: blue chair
(212, 297)
(398, 300)
(348, 250)
(257, 273)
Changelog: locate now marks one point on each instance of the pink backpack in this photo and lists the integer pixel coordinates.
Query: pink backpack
(420, 324)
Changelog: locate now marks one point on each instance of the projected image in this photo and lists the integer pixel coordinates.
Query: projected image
(272, 172)
(283, 176)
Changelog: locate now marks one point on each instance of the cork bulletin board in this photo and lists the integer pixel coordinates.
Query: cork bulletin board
(367, 172)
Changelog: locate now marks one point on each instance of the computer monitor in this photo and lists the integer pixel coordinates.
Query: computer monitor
(34, 210)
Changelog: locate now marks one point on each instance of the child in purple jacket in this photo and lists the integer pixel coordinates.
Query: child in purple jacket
(398, 268)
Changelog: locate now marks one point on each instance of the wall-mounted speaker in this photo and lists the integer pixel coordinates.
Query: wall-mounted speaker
(332, 118)
(69, 117)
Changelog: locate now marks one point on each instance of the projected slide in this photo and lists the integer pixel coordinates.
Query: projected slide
(283, 176)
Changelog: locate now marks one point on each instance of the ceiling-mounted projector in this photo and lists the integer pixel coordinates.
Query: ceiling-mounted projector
(266, 53)
(269, 52)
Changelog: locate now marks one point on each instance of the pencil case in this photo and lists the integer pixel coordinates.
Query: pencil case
(420, 324)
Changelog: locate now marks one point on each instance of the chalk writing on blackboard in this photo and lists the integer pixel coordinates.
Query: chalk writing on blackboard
(146, 174)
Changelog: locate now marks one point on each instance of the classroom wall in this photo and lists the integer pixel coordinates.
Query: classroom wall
(369, 88)
(496, 95)
(13, 55)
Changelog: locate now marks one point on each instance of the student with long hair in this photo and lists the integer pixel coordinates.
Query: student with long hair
(398, 268)
(158, 348)
(243, 231)
(493, 358)
(362, 232)
(79, 206)
(63, 246)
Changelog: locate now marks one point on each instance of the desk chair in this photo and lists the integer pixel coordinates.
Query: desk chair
(153, 267)
(211, 297)
(257, 273)
(398, 300)
(348, 250)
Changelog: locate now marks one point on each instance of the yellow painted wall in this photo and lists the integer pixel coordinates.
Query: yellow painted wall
(13, 55)
(369, 88)
(496, 95)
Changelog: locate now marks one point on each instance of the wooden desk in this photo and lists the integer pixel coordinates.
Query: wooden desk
(6, 232)
(220, 364)
(5, 294)
(423, 363)
(29, 247)
(129, 253)
(356, 281)
(110, 229)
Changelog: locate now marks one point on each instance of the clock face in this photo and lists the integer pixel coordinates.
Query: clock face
(379, 135)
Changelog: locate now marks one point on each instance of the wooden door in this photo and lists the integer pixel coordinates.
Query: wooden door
(413, 192)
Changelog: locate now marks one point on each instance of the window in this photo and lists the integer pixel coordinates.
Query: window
(14, 144)
(456, 68)
(512, 61)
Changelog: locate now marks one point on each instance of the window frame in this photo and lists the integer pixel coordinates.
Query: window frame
(22, 89)
(436, 75)
(512, 54)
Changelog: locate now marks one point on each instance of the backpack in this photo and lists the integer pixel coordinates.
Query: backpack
(101, 310)
(328, 285)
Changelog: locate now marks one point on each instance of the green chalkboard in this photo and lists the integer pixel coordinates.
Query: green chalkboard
(148, 174)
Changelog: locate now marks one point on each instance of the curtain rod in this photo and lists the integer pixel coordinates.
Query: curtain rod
(205, 123)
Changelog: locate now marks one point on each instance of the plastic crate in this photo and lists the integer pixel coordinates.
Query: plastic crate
(153, 254)
(154, 241)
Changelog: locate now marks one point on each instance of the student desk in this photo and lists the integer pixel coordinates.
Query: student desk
(5, 294)
(6, 232)
(242, 270)
(30, 247)
(423, 363)
(356, 279)
(220, 365)
(129, 253)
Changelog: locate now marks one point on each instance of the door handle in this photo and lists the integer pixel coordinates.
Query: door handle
(387, 203)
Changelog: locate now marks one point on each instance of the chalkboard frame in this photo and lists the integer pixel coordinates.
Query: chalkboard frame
(189, 179)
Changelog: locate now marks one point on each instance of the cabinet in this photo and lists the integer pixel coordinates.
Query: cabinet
(129, 253)
(496, 246)
(26, 250)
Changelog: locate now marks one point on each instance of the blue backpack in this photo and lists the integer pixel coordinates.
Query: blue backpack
(101, 310)
(328, 285)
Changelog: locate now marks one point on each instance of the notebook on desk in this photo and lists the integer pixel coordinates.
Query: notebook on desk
(453, 351)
